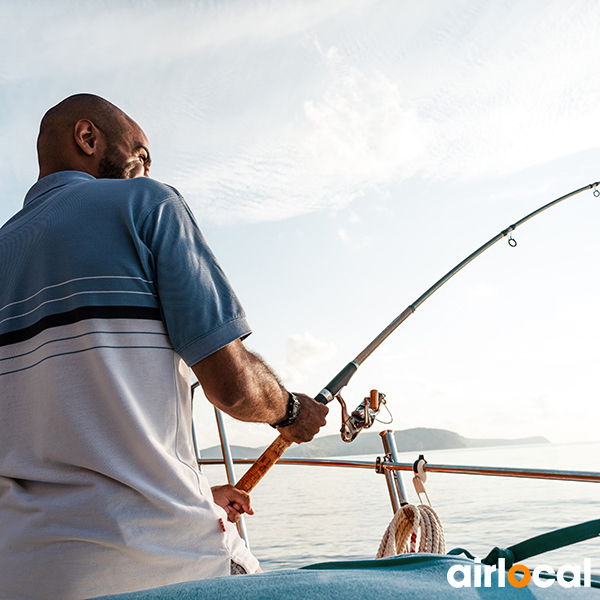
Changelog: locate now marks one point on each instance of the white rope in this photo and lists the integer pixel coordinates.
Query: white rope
(402, 533)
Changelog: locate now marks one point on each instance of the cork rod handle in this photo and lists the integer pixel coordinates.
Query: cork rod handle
(266, 460)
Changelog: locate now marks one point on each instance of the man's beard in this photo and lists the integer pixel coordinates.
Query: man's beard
(112, 165)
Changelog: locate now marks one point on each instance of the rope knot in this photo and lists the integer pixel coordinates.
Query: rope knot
(402, 533)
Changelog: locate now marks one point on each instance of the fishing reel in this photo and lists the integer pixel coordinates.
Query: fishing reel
(362, 417)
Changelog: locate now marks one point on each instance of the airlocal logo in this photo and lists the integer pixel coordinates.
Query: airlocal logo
(543, 576)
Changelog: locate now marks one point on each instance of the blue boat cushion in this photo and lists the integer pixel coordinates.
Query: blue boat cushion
(409, 576)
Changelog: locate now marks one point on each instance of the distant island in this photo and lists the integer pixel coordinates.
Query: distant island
(417, 439)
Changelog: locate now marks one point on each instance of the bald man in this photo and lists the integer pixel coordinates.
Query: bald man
(109, 296)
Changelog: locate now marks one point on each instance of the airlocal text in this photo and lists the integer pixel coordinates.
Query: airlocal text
(543, 576)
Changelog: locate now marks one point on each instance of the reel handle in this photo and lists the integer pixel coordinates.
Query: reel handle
(374, 400)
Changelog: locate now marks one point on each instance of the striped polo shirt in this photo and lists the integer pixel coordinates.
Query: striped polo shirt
(108, 294)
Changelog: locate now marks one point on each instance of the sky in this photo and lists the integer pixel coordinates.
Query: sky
(341, 156)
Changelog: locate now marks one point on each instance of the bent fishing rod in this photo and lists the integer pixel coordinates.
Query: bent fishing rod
(272, 454)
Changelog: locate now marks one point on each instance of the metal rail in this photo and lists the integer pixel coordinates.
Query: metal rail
(228, 462)
(393, 479)
(552, 474)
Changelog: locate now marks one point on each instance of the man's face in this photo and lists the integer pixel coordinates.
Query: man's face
(126, 157)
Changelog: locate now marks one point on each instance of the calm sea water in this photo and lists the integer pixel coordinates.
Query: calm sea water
(312, 514)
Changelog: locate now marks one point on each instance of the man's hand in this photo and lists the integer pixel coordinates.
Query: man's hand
(310, 419)
(235, 502)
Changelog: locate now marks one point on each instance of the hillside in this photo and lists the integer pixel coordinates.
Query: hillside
(417, 439)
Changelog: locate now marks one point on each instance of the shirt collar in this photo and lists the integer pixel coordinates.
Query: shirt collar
(55, 180)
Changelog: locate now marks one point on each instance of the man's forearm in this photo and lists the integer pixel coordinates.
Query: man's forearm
(242, 385)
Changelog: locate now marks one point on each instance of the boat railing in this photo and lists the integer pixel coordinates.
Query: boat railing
(587, 476)
(388, 465)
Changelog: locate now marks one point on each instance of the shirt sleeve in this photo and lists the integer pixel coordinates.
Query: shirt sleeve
(199, 307)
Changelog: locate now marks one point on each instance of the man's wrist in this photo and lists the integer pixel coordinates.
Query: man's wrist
(292, 412)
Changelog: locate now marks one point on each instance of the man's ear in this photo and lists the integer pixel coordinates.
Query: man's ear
(86, 136)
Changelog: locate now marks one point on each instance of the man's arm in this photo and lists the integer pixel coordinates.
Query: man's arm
(242, 385)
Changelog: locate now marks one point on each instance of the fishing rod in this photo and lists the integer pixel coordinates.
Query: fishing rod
(270, 456)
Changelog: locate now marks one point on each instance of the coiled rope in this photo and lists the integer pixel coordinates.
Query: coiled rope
(402, 533)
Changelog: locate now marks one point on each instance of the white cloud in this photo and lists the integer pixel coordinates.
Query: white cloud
(265, 110)
(357, 134)
(518, 92)
(514, 90)
(354, 218)
(303, 351)
(343, 235)
(362, 130)
(147, 36)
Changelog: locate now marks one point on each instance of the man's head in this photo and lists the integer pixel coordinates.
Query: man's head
(87, 133)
